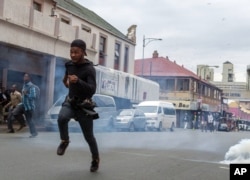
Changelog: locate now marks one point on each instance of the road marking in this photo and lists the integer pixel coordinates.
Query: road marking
(212, 162)
(136, 154)
(195, 160)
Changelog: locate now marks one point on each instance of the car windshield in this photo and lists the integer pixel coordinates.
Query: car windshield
(126, 113)
(101, 101)
(148, 109)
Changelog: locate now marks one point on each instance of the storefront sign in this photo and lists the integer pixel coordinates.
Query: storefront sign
(181, 104)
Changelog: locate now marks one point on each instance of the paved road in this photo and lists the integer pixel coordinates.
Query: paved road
(179, 155)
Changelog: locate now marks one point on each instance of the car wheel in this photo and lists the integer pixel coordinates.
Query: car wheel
(160, 127)
(145, 128)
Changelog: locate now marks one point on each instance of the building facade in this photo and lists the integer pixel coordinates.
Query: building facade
(36, 36)
(205, 72)
(235, 91)
(188, 92)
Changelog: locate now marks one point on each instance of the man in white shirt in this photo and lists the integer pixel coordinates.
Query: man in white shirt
(210, 120)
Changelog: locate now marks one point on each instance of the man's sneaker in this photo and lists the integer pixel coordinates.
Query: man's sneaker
(11, 131)
(62, 147)
(33, 135)
(94, 165)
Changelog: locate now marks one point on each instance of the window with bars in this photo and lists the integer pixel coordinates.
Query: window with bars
(126, 56)
(182, 84)
(117, 56)
(102, 49)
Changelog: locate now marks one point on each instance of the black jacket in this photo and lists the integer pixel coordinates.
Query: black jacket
(86, 85)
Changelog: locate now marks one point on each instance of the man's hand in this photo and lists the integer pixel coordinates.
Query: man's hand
(25, 92)
(66, 81)
(72, 78)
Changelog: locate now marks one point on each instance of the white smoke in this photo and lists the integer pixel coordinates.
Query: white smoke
(239, 153)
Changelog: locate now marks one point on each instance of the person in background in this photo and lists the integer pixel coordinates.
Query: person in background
(210, 120)
(185, 119)
(203, 122)
(194, 121)
(216, 122)
(28, 102)
(15, 100)
(7, 94)
(3, 100)
(80, 79)
(6, 111)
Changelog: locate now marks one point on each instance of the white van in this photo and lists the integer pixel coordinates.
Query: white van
(161, 115)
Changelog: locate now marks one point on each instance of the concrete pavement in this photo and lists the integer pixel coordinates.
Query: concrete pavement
(4, 129)
(135, 156)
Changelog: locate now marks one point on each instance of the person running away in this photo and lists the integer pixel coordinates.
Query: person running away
(80, 79)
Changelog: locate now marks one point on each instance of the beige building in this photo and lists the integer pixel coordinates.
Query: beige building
(228, 72)
(188, 92)
(232, 90)
(206, 72)
(36, 35)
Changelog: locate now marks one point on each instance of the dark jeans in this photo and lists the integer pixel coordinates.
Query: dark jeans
(86, 124)
(10, 119)
(31, 124)
(210, 127)
(15, 114)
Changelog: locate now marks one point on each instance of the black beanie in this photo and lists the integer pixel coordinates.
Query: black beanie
(79, 43)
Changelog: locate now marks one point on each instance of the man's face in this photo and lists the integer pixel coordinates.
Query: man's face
(26, 78)
(76, 54)
(13, 88)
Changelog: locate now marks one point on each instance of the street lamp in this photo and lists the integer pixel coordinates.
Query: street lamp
(203, 67)
(146, 41)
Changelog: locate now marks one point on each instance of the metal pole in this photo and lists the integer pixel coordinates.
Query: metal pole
(143, 46)
(150, 68)
(204, 74)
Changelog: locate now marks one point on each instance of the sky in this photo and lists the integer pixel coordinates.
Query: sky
(193, 32)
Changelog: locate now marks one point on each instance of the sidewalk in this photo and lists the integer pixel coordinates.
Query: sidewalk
(4, 128)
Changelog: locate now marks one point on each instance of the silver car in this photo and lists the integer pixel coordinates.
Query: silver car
(106, 108)
(130, 119)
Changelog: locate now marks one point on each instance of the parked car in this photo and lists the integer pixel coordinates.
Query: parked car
(248, 128)
(248, 125)
(242, 125)
(223, 127)
(106, 109)
(130, 119)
